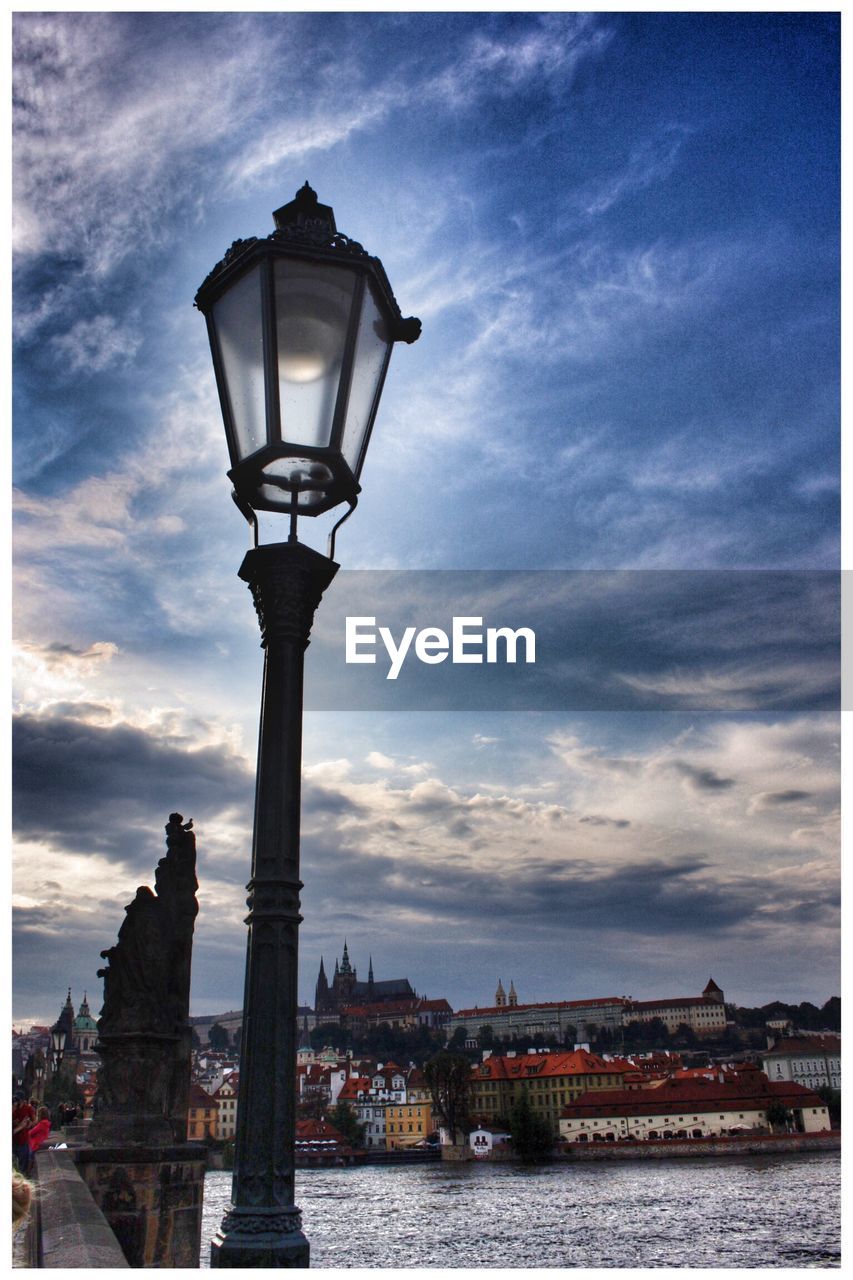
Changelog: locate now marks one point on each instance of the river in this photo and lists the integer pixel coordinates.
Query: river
(757, 1211)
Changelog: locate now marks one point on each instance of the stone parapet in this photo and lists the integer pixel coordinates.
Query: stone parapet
(151, 1197)
(68, 1229)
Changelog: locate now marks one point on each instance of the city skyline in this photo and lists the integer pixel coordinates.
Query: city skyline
(621, 234)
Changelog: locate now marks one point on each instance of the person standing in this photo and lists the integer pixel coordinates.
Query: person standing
(23, 1118)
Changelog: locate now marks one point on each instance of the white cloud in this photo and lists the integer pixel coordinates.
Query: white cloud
(96, 344)
(102, 136)
(379, 761)
(710, 786)
(652, 160)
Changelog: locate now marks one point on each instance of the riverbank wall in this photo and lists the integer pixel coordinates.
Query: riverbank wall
(673, 1148)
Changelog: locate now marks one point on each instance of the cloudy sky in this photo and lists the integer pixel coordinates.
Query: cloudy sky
(620, 427)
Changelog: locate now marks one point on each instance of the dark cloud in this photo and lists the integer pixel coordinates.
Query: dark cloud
(89, 788)
(325, 802)
(110, 789)
(704, 779)
(81, 711)
(595, 820)
(66, 650)
(791, 796)
(605, 641)
(540, 898)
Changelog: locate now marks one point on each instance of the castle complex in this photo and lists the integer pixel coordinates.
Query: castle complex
(345, 989)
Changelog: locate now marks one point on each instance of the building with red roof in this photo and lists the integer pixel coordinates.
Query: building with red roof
(813, 1061)
(553, 1019)
(549, 1080)
(705, 1015)
(202, 1115)
(731, 1102)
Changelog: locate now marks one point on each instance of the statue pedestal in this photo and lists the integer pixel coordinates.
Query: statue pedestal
(151, 1197)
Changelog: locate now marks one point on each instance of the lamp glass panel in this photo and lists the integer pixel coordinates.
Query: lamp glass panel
(281, 499)
(371, 355)
(305, 474)
(237, 318)
(312, 308)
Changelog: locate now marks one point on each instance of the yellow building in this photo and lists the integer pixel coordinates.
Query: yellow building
(407, 1123)
(201, 1115)
(550, 1080)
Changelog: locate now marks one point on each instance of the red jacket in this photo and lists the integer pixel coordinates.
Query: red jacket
(23, 1117)
(38, 1134)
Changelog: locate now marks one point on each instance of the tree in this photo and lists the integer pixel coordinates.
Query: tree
(684, 1036)
(604, 1040)
(218, 1038)
(531, 1134)
(346, 1122)
(486, 1036)
(312, 1107)
(448, 1077)
(778, 1115)
(62, 1086)
(457, 1040)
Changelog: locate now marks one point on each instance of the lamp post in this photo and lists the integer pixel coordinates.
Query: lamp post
(39, 1069)
(301, 326)
(60, 1034)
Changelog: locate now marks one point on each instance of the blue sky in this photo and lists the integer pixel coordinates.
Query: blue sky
(621, 234)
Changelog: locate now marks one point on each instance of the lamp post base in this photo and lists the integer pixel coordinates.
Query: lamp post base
(260, 1238)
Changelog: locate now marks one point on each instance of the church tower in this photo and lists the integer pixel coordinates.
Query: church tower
(321, 993)
(370, 991)
(713, 992)
(513, 998)
(345, 978)
(500, 996)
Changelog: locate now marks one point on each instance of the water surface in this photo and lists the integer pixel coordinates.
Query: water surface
(760, 1211)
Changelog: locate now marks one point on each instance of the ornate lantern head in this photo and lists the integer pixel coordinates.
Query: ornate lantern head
(301, 326)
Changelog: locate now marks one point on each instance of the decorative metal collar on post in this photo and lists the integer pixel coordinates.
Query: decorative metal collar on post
(301, 326)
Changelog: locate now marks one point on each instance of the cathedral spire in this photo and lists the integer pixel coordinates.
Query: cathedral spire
(370, 970)
(346, 967)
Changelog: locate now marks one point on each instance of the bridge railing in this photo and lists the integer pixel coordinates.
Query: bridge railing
(67, 1229)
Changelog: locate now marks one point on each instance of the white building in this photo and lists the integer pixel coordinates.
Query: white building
(359, 1094)
(704, 1015)
(226, 1097)
(692, 1108)
(812, 1061)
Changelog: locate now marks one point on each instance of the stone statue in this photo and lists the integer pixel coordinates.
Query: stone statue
(144, 1038)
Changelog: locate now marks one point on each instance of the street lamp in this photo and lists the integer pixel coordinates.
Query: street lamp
(301, 326)
(60, 1033)
(39, 1069)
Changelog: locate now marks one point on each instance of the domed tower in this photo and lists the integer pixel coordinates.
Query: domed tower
(85, 1031)
(500, 996)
